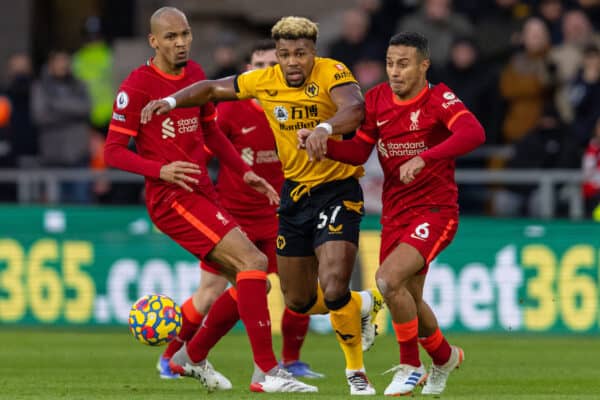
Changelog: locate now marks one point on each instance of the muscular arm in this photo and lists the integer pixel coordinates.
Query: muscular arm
(202, 92)
(350, 112)
(196, 94)
(350, 108)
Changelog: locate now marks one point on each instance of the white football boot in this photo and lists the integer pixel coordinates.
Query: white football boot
(438, 374)
(210, 378)
(405, 380)
(278, 380)
(367, 320)
(359, 383)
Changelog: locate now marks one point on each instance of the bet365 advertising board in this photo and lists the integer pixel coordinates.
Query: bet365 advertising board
(87, 265)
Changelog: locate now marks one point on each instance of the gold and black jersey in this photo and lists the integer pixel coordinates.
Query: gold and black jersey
(290, 109)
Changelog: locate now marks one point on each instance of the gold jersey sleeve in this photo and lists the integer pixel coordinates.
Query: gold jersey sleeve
(289, 109)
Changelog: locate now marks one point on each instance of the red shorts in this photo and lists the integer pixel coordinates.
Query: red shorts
(195, 222)
(430, 232)
(262, 232)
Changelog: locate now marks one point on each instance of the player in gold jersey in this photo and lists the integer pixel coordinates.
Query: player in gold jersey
(321, 202)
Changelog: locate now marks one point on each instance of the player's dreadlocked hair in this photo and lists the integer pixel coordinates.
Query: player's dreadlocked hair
(293, 28)
(411, 39)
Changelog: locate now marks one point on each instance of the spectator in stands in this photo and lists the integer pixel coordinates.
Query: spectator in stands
(383, 16)
(8, 191)
(225, 57)
(351, 45)
(369, 71)
(483, 99)
(592, 10)
(551, 12)
(549, 145)
(568, 57)
(584, 94)
(93, 65)
(497, 30)
(527, 81)
(23, 133)
(61, 108)
(591, 174)
(440, 25)
(463, 69)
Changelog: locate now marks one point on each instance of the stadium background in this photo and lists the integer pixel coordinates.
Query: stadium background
(526, 259)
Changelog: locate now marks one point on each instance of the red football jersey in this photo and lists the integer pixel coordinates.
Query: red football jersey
(403, 130)
(176, 136)
(245, 124)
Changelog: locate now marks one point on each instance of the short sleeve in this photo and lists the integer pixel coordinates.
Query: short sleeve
(245, 84)
(127, 110)
(336, 74)
(450, 108)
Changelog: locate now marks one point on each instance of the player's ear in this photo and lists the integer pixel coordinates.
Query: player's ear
(425, 64)
(152, 41)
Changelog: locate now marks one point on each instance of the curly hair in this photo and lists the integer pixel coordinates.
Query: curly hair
(292, 28)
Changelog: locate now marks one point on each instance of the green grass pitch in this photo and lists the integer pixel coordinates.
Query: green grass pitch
(109, 364)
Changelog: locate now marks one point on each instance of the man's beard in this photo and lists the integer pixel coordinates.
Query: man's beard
(181, 64)
(295, 85)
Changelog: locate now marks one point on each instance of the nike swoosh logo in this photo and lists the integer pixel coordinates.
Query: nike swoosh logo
(248, 129)
(379, 123)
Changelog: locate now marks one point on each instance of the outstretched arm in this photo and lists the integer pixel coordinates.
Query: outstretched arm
(350, 112)
(196, 94)
(355, 151)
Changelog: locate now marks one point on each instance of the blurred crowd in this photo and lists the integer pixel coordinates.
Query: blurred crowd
(529, 70)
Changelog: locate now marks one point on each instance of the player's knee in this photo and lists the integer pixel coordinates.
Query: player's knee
(388, 280)
(334, 289)
(334, 283)
(254, 260)
(381, 285)
(298, 301)
(298, 304)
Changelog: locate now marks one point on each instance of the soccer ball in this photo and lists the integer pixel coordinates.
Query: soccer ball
(154, 319)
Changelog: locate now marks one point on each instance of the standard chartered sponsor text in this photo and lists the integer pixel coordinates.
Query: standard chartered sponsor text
(403, 149)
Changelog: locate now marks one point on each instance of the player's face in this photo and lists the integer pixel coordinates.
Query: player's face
(262, 59)
(406, 70)
(296, 58)
(172, 39)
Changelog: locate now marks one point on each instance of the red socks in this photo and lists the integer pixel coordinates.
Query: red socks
(191, 319)
(407, 336)
(293, 329)
(437, 347)
(252, 306)
(221, 317)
